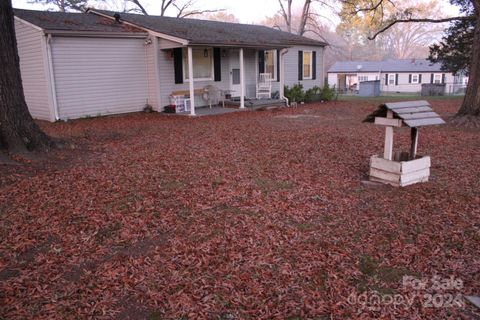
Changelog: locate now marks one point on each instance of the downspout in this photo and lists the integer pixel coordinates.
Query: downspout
(52, 77)
(282, 77)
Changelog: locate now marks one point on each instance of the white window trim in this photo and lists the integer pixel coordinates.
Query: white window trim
(275, 63)
(439, 78)
(391, 76)
(311, 65)
(362, 78)
(212, 78)
(416, 81)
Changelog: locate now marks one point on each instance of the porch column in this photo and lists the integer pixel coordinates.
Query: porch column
(190, 77)
(242, 81)
(282, 74)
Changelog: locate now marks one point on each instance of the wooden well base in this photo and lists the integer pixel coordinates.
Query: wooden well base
(399, 173)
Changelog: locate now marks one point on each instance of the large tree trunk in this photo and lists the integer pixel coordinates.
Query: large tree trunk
(471, 102)
(18, 132)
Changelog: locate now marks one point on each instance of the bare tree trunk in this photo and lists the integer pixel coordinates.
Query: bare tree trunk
(304, 18)
(18, 131)
(471, 102)
(287, 14)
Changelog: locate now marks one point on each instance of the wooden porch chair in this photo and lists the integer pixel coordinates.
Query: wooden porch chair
(264, 86)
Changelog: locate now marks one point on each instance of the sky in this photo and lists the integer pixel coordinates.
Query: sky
(247, 11)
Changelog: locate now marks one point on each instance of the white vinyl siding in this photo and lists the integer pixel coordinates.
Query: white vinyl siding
(34, 70)
(291, 68)
(99, 76)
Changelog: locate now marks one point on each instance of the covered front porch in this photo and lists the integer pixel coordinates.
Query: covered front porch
(227, 76)
(234, 106)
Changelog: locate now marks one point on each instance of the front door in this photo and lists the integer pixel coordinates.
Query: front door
(234, 67)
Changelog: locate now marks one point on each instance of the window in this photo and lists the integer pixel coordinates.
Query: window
(307, 65)
(362, 78)
(271, 63)
(391, 79)
(437, 78)
(202, 64)
(415, 78)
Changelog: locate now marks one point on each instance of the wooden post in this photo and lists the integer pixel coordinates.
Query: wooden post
(190, 77)
(388, 150)
(413, 147)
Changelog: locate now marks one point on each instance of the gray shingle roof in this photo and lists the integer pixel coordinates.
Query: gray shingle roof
(63, 21)
(403, 65)
(197, 32)
(215, 33)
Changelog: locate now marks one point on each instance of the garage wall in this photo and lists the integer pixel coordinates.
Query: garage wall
(31, 50)
(99, 76)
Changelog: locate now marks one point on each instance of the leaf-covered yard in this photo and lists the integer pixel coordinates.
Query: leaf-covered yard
(253, 215)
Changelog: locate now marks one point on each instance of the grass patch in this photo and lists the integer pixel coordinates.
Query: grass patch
(382, 277)
(268, 185)
(399, 96)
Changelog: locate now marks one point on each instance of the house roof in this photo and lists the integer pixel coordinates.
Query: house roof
(391, 65)
(205, 32)
(78, 22)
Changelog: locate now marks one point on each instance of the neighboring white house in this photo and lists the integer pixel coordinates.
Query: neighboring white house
(406, 75)
(96, 63)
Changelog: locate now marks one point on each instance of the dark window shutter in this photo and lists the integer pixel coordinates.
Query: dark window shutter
(396, 79)
(443, 78)
(420, 78)
(431, 78)
(386, 79)
(409, 78)
(261, 61)
(278, 65)
(314, 65)
(177, 64)
(217, 64)
(300, 65)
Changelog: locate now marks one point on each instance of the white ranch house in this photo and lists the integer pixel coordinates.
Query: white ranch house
(75, 65)
(396, 76)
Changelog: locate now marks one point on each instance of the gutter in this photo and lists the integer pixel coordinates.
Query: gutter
(69, 33)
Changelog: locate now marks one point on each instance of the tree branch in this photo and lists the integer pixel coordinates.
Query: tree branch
(394, 22)
(198, 12)
(139, 5)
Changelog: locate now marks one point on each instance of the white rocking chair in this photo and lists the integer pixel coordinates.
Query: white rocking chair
(264, 86)
(213, 95)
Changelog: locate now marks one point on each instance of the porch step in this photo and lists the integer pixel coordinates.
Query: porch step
(256, 103)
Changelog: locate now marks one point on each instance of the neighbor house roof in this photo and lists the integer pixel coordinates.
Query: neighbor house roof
(77, 22)
(205, 32)
(403, 65)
